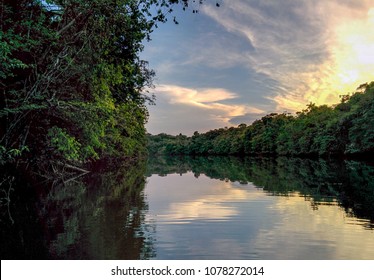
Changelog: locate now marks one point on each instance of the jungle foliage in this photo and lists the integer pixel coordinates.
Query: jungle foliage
(341, 130)
(72, 84)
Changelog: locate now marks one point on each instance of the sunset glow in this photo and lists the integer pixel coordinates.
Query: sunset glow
(355, 53)
(350, 62)
(258, 58)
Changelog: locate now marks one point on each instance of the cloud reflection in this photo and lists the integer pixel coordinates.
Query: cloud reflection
(334, 234)
(209, 200)
(203, 218)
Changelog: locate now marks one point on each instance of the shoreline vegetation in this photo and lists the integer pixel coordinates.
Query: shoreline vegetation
(74, 94)
(73, 88)
(345, 130)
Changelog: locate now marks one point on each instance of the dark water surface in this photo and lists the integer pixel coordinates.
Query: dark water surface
(195, 208)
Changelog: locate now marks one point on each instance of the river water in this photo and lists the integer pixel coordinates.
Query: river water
(200, 208)
(223, 208)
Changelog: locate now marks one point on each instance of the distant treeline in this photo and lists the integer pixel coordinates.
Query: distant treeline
(340, 130)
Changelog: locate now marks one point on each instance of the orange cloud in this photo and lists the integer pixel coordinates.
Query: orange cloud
(209, 100)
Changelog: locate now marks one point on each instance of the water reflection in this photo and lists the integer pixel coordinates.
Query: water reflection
(222, 208)
(347, 183)
(193, 208)
(99, 216)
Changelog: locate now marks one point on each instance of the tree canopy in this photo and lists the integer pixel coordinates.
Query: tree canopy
(344, 129)
(72, 84)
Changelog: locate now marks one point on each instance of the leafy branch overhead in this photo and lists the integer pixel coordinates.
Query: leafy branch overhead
(70, 69)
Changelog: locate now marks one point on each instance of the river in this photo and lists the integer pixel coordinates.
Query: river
(198, 208)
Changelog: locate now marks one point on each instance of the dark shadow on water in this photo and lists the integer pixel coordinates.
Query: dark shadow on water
(98, 216)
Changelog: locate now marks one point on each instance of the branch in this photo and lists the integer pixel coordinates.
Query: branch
(73, 167)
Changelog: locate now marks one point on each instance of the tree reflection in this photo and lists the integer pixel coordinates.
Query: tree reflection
(98, 216)
(348, 183)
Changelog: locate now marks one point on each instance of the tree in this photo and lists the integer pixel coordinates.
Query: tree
(344, 129)
(72, 83)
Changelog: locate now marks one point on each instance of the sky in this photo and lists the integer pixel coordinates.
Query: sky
(233, 64)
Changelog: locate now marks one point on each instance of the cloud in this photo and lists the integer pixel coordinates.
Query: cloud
(189, 109)
(274, 55)
(194, 97)
(218, 50)
(314, 49)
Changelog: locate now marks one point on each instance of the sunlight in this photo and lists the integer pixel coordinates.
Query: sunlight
(354, 53)
(351, 63)
(352, 58)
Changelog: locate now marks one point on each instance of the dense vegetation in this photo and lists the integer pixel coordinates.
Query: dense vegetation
(344, 129)
(72, 84)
